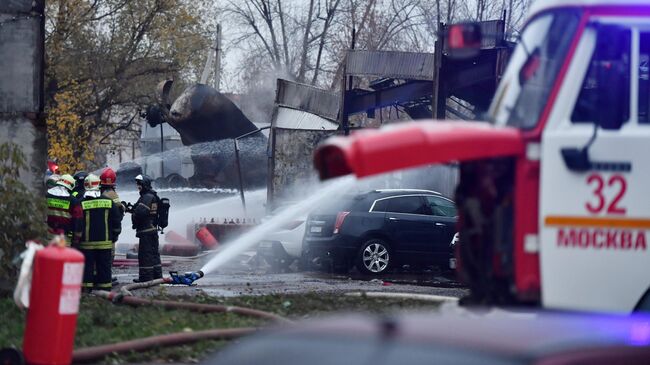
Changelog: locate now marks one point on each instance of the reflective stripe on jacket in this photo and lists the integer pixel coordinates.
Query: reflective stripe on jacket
(145, 213)
(101, 219)
(63, 211)
(111, 194)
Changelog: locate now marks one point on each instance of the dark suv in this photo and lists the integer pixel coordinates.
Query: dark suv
(378, 229)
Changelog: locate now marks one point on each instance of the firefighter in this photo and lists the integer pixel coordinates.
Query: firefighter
(145, 222)
(107, 189)
(100, 225)
(51, 180)
(79, 177)
(63, 211)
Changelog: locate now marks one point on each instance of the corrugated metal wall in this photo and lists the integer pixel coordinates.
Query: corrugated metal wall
(307, 98)
(399, 65)
(298, 119)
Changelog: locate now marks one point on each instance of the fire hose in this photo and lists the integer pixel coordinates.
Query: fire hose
(63, 266)
(124, 296)
(97, 352)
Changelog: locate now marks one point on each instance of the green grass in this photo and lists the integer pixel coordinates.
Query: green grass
(100, 322)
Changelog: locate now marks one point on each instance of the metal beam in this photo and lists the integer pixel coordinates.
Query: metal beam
(461, 79)
(386, 97)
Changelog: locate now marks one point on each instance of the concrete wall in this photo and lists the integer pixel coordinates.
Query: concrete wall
(292, 168)
(21, 83)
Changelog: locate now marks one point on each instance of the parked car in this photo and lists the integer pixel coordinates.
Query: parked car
(377, 230)
(283, 247)
(494, 338)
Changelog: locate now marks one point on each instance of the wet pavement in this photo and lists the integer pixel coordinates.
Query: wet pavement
(244, 277)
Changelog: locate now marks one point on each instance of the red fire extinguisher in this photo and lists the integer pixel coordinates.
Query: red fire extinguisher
(53, 305)
(206, 238)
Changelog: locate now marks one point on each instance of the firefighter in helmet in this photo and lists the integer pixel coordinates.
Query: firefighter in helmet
(107, 189)
(145, 222)
(78, 191)
(99, 229)
(63, 210)
(51, 180)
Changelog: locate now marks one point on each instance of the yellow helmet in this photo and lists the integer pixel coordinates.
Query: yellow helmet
(67, 181)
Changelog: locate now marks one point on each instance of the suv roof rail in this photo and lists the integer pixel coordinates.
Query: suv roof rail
(406, 190)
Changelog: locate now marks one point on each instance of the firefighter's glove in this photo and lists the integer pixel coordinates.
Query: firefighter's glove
(128, 207)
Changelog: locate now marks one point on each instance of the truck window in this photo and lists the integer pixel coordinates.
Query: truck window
(587, 106)
(541, 52)
(644, 73)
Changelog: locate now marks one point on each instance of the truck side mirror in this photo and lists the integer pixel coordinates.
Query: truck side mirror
(613, 76)
(464, 40)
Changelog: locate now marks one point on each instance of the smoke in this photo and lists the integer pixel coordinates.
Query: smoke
(258, 99)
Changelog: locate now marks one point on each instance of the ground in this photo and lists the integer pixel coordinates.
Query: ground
(242, 277)
(295, 295)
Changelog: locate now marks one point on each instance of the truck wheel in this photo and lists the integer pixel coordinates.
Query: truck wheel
(374, 257)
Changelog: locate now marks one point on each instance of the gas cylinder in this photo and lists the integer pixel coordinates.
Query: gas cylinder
(206, 238)
(53, 305)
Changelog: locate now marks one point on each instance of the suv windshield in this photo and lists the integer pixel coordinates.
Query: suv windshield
(533, 69)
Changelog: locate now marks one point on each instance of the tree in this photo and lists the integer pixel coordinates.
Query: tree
(22, 215)
(306, 42)
(68, 134)
(104, 57)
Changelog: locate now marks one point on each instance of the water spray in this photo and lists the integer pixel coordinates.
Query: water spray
(251, 238)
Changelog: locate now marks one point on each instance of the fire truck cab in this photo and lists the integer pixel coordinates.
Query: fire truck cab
(554, 192)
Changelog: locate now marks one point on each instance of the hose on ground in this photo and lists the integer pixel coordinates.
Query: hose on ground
(412, 296)
(97, 352)
(126, 289)
(125, 296)
(202, 308)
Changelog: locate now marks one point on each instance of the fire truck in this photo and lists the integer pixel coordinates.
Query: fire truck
(554, 190)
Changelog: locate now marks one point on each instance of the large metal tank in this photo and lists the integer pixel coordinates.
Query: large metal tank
(191, 142)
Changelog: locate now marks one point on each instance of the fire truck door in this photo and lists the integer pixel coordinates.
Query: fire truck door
(595, 207)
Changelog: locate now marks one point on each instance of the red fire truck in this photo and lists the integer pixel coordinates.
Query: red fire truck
(554, 191)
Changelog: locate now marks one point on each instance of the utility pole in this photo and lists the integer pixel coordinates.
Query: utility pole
(217, 59)
(214, 60)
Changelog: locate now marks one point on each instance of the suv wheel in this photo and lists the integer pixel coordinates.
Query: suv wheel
(374, 257)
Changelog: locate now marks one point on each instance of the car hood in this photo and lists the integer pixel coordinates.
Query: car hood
(412, 144)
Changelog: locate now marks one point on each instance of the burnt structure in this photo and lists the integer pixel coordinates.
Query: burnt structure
(208, 121)
(199, 114)
(303, 117)
(426, 85)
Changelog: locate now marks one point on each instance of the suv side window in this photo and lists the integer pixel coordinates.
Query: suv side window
(408, 204)
(380, 205)
(441, 207)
